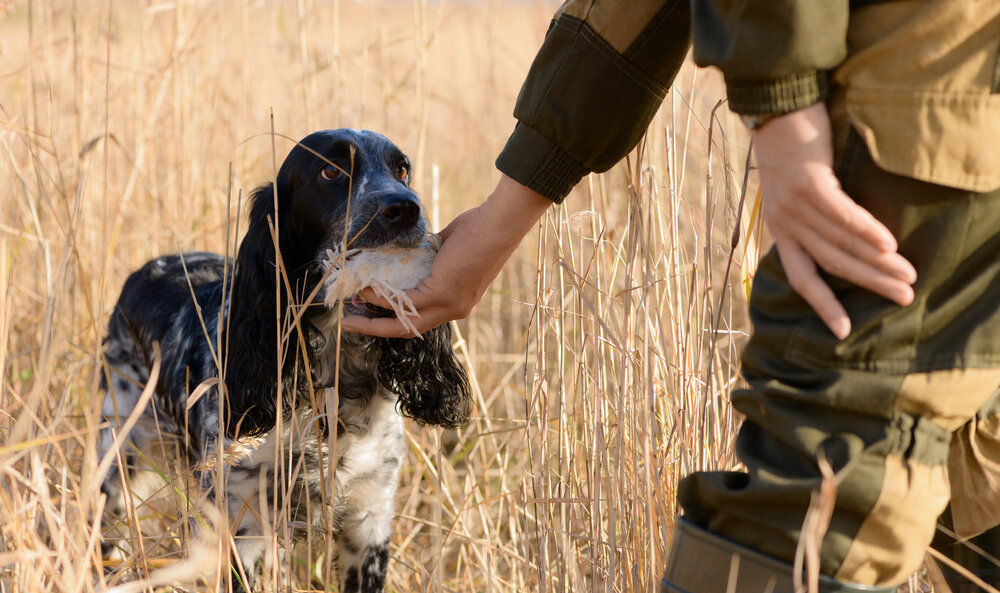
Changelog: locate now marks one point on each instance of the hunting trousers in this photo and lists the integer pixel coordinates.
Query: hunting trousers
(906, 410)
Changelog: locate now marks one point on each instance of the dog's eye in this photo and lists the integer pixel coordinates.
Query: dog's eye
(331, 172)
(403, 171)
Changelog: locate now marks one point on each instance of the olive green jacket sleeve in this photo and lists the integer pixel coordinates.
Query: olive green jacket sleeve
(606, 65)
(601, 74)
(774, 54)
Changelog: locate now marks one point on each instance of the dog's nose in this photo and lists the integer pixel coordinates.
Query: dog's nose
(399, 210)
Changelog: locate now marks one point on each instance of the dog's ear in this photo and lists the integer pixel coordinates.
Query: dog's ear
(251, 344)
(425, 374)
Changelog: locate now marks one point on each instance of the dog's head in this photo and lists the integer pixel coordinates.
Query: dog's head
(350, 188)
(346, 188)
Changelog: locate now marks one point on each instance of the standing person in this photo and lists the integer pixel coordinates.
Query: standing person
(876, 317)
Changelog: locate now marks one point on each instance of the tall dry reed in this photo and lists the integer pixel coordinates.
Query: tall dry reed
(602, 358)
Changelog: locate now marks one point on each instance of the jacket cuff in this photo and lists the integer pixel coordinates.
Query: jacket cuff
(780, 95)
(536, 162)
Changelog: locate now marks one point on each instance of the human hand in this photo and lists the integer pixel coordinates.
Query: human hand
(474, 248)
(814, 222)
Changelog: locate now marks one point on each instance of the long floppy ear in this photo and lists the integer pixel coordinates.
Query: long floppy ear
(431, 384)
(251, 345)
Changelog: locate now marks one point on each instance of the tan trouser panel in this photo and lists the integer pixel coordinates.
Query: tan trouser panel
(893, 538)
(974, 469)
(949, 398)
(619, 22)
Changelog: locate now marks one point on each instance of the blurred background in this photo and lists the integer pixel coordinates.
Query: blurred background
(601, 358)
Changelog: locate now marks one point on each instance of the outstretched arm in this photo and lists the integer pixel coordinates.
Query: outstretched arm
(813, 222)
(559, 139)
(474, 248)
(594, 86)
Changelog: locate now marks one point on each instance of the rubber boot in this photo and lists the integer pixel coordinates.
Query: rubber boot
(702, 562)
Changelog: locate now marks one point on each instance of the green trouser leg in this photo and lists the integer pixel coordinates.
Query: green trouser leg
(702, 562)
(880, 406)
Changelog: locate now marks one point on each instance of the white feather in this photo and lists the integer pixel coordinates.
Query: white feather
(386, 270)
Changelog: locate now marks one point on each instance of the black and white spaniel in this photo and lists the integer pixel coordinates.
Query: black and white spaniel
(255, 334)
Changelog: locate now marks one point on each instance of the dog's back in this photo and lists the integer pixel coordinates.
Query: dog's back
(155, 307)
(152, 300)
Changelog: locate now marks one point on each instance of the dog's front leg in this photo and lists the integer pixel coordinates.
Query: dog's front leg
(363, 566)
(367, 477)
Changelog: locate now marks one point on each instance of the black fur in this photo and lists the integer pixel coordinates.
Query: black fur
(254, 321)
(425, 378)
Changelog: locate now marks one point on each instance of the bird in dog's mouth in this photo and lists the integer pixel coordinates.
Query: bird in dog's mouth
(386, 270)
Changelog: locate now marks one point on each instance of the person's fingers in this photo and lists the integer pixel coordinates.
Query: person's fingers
(422, 297)
(384, 327)
(806, 281)
(872, 274)
(864, 265)
(370, 296)
(841, 253)
(841, 219)
(431, 314)
(814, 198)
(446, 232)
(889, 264)
(840, 236)
(851, 222)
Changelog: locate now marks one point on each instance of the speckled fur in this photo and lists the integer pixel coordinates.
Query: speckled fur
(234, 326)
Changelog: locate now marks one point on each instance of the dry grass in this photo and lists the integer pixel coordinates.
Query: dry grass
(602, 357)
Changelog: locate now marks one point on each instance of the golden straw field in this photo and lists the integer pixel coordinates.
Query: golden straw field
(601, 358)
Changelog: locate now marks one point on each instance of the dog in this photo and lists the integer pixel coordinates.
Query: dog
(255, 336)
